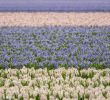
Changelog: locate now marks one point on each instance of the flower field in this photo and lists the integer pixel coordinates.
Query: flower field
(58, 84)
(54, 56)
(54, 47)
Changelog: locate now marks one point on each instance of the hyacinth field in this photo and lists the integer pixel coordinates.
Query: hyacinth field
(58, 84)
(55, 47)
(54, 56)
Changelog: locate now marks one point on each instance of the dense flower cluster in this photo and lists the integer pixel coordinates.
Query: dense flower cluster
(58, 84)
(54, 46)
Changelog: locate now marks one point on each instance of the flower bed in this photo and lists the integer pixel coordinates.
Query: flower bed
(58, 84)
(55, 46)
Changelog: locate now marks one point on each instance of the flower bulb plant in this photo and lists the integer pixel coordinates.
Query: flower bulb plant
(62, 83)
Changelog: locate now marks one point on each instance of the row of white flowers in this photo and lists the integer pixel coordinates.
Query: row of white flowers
(57, 84)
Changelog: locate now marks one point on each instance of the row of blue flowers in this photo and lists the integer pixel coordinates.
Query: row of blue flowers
(55, 46)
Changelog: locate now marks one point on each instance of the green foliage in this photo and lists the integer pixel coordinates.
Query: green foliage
(39, 59)
(96, 83)
(32, 75)
(1, 67)
(94, 33)
(11, 84)
(18, 74)
(3, 74)
(103, 73)
(66, 65)
(24, 83)
(11, 64)
(86, 75)
(70, 75)
(97, 66)
(48, 97)
(2, 83)
(87, 96)
(34, 36)
(105, 84)
(59, 98)
(84, 84)
(21, 98)
(38, 44)
(104, 93)
(49, 84)
(16, 95)
(37, 97)
(49, 66)
(34, 65)
(38, 84)
(64, 75)
(80, 97)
